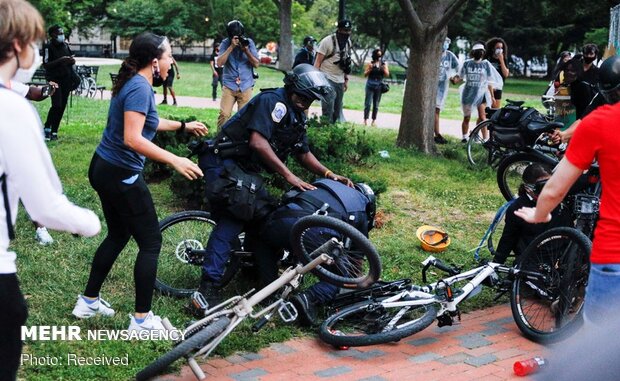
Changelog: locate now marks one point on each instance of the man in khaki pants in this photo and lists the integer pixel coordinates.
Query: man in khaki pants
(238, 56)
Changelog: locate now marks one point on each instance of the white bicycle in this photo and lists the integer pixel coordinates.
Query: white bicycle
(330, 248)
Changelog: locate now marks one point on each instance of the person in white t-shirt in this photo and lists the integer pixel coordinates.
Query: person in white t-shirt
(26, 171)
(334, 60)
(35, 93)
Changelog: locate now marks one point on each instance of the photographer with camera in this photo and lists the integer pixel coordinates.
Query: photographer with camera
(238, 58)
(333, 58)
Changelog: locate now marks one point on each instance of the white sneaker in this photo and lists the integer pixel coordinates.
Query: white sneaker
(43, 236)
(85, 310)
(151, 322)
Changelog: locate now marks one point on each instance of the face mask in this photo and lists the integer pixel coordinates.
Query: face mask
(445, 46)
(478, 54)
(499, 51)
(60, 38)
(588, 60)
(25, 75)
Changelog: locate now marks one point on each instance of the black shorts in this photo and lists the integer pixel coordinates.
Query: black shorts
(168, 82)
(497, 94)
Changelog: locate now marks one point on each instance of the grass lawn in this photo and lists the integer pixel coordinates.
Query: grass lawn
(196, 81)
(421, 190)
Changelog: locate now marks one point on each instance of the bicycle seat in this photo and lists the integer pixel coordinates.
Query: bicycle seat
(515, 103)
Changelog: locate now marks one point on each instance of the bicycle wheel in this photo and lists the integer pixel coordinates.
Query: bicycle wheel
(356, 261)
(370, 323)
(510, 171)
(184, 237)
(478, 150)
(547, 311)
(192, 343)
(90, 87)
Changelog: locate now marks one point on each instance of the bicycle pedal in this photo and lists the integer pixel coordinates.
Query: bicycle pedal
(287, 312)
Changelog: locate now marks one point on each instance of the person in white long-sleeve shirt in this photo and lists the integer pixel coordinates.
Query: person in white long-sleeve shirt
(26, 171)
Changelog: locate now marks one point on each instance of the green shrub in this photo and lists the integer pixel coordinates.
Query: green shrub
(340, 147)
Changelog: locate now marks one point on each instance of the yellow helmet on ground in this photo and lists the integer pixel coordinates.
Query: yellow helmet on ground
(432, 238)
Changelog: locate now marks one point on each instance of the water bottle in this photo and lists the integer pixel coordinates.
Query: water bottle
(529, 366)
(339, 333)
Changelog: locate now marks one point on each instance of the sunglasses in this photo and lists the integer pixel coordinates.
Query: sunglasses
(537, 187)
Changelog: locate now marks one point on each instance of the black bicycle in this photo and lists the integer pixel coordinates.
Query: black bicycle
(512, 129)
(184, 238)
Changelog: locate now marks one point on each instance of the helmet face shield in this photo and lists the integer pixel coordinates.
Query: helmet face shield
(313, 83)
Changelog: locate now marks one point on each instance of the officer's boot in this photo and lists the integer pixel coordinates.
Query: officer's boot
(211, 291)
(305, 304)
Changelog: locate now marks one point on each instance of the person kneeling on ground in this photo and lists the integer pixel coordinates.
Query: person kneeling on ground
(356, 206)
(262, 135)
(517, 233)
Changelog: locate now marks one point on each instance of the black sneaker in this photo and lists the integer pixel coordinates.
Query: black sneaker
(48, 134)
(440, 140)
(164, 102)
(211, 291)
(54, 136)
(306, 309)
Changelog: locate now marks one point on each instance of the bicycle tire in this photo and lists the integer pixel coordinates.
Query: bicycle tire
(91, 87)
(478, 152)
(194, 342)
(510, 171)
(352, 326)
(549, 312)
(356, 261)
(176, 275)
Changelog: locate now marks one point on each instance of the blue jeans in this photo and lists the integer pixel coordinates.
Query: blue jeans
(602, 293)
(373, 94)
(332, 107)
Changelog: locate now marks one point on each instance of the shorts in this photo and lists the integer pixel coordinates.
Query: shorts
(497, 94)
(168, 82)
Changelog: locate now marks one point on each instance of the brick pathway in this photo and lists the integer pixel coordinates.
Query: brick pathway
(483, 347)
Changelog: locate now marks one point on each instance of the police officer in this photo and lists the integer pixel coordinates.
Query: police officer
(356, 206)
(271, 127)
(57, 61)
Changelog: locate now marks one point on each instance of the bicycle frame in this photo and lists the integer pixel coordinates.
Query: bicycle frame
(447, 300)
(240, 307)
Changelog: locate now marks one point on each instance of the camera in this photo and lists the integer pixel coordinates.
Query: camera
(345, 65)
(244, 41)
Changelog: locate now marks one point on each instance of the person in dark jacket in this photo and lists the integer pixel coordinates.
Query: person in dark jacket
(58, 62)
(517, 233)
(306, 53)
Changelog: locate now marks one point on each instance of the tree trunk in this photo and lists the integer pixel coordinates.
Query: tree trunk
(285, 53)
(418, 115)
(427, 22)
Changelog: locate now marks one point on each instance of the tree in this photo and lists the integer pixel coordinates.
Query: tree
(427, 29)
(285, 55)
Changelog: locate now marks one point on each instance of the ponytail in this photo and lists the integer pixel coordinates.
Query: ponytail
(129, 68)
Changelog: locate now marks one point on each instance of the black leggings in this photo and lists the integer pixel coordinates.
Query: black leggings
(129, 212)
(13, 315)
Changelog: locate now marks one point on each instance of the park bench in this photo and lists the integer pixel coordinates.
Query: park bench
(396, 79)
(94, 70)
(113, 78)
(38, 79)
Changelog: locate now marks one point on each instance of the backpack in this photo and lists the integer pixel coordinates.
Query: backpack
(350, 205)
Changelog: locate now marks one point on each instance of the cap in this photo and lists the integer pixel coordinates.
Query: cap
(344, 24)
(478, 47)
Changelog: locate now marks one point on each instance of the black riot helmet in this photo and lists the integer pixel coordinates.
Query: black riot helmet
(308, 81)
(609, 79)
(235, 28)
(371, 206)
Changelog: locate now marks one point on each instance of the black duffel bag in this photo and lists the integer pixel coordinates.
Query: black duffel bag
(240, 193)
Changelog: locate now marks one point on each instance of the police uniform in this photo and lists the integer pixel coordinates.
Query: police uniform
(271, 114)
(61, 74)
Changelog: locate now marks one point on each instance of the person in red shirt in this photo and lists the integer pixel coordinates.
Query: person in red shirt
(596, 138)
